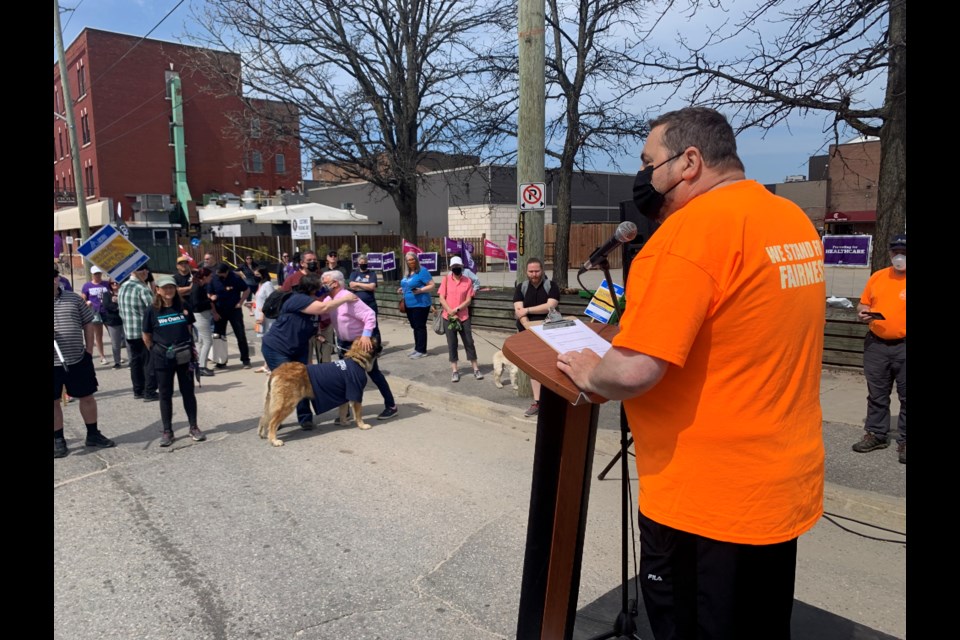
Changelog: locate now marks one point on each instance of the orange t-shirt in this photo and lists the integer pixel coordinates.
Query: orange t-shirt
(886, 292)
(730, 291)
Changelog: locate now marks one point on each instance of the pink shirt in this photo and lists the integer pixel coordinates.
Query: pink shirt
(352, 319)
(455, 292)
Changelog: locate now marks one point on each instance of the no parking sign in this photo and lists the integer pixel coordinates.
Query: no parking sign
(530, 195)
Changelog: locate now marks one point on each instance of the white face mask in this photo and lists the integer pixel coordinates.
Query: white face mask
(899, 262)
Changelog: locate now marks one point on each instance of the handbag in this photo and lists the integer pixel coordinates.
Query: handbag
(180, 353)
(439, 324)
(402, 306)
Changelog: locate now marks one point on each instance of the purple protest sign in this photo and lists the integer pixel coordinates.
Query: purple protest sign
(57, 246)
(389, 262)
(847, 251)
(468, 256)
(512, 257)
(375, 261)
(429, 260)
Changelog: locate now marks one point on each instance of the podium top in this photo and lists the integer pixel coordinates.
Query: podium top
(539, 361)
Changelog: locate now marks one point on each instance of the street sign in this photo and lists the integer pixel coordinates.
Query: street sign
(530, 195)
(227, 230)
(301, 228)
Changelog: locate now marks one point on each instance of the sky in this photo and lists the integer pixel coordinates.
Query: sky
(784, 151)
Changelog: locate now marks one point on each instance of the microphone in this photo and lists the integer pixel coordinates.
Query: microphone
(626, 232)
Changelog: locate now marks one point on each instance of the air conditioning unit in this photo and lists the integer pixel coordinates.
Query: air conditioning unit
(346, 205)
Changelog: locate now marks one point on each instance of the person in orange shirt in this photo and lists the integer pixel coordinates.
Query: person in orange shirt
(883, 304)
(718, 364)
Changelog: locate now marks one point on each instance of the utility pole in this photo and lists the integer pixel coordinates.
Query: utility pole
(530, 140)
(72, 131)
(530, 127)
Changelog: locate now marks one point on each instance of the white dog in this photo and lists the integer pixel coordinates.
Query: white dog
(499, 362)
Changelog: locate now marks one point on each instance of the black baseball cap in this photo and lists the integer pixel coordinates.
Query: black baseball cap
(899, 240)
(332, 254)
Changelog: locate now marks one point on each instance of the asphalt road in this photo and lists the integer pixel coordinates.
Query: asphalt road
(412, 530)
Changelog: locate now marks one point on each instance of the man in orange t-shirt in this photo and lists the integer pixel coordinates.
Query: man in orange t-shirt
(883, 304)
(718, 366)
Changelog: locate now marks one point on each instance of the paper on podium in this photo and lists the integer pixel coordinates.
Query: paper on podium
(571, 337)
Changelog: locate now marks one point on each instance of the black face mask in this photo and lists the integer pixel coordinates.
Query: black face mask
(649, 201)
(311, 266)
(457, 270)
(363, 267)
(322, 292)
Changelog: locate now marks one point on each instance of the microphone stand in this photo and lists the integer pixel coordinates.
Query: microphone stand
(625, 625)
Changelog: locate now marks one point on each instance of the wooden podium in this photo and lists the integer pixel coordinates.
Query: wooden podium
(562, 466)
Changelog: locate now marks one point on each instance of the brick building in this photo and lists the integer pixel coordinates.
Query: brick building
(853, 171)
(121, 91)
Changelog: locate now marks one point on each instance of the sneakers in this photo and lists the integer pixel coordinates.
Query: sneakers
(477, 374)
(416, 355)
(902, 451)
(118, 366)
(869, 443)
(389, 412)
(60, 448)
(138, 396)
(103, 360)
(97, 439)
(221, 365)
(166, 439)
(307, 425)
(246, 365)
(533, 410)
(151, 397)
(203, 371)
(197, 435)
(455, 377)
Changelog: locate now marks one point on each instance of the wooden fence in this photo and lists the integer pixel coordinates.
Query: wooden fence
(584, 238)
(842, 339)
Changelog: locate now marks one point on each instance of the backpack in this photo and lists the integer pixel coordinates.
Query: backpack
(526, 285)
(273, 303)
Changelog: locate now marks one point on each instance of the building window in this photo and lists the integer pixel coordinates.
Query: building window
(60, 136)
(85, 128)
(255, 162)
(167, 76)
(255, 127)
(56, 101)
(81, 80)
(281, 163)
(88, 179)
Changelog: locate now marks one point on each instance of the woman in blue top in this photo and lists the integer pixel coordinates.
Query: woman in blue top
(289, 337)
(415, 288)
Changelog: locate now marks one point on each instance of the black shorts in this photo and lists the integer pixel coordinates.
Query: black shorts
(80, 380)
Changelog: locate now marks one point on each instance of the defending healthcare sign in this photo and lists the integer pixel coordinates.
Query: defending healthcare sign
(847, 251)
(109, 250)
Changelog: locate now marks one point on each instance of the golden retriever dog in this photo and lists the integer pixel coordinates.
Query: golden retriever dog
(499, 363)
(341, 383)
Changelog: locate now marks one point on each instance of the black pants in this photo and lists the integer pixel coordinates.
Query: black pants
(698, 588)
(375, 375)
(142, 375)
(165, 373)
(884, 364)
(465, 334)
(234, 315)
(418, 320)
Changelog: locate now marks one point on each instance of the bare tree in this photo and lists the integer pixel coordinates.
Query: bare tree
(824, 56)
(591, 76)
(379, 84)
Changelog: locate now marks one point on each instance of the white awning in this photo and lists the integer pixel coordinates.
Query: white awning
(320, 213)
(98, 214)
